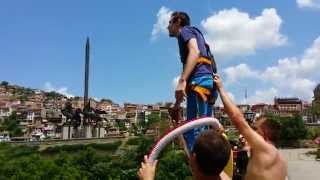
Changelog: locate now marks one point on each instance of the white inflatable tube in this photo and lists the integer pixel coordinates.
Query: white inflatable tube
(181, 129)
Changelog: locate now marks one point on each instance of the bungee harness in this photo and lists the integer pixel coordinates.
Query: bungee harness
(203, 92)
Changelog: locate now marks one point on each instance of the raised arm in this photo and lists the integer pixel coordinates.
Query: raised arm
(254, 139)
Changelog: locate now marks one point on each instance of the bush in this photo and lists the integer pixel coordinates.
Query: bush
(133, 141)
(9, 151)
(292, 130)
(107, 146)
(78, 147)
(83, 162)
(173, 165)
(313, 133)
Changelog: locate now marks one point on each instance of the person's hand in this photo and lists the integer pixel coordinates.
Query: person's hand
(175, 113)
(180, 91)
(218, 81)
(147, 170)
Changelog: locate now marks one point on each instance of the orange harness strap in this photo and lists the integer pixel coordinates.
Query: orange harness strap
(204, 60)
(203, 92)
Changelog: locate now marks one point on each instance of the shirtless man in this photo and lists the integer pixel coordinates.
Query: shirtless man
(266, 162)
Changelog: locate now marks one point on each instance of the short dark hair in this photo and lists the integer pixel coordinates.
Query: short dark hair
(271, 127)
(212, 152)
(182, 17)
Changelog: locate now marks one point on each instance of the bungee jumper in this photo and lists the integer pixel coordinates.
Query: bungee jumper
(196, 79)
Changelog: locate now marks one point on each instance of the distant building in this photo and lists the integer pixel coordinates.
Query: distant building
(4, 112)
(288, 106)
(104, 105)
(247, 112)
(129, 107)
(77, 103)
(260, 109)
(220, 114)
(3, 90)
(244, 107)
(217, 112)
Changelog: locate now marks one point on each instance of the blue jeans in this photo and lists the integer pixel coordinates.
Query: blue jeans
(196, 107)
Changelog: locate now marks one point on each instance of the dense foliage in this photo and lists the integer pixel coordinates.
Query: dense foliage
(11, 124)
(93, 161)
(292, 130)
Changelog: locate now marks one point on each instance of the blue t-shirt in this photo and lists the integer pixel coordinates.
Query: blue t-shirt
(188, 32)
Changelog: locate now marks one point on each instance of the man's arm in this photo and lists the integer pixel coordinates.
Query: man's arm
(192, 57)
(254, 139)
(191, 62)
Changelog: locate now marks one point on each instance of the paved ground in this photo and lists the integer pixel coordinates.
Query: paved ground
(301, 166)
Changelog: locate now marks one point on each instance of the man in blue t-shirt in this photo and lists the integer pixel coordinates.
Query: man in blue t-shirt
(196, 80)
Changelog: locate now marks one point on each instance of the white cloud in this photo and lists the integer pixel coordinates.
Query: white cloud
(308, 3)
(231, 96)
(239, 72)
(262, 96)
(310, 62)
(302, 87)
(296, 75)
(294, 67)
(63, 90)
(291, 76)
(231, 32)
(163, 17)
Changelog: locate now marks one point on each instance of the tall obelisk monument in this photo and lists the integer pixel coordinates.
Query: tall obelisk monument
(86, 73)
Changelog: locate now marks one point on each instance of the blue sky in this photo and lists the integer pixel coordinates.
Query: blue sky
(269, 48)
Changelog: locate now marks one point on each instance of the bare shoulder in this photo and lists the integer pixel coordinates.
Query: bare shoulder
(268, 155)
(266, 165)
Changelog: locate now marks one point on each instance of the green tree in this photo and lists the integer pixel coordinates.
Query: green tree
(292, 129)
(53, 95)
(153, 119)
(313, 133)
(121, 125)
(11, 124)
(23, 97)
(4, 83)
(173, 165)
(86, 160)
(106, 100)
(24, 162)
(315, 109)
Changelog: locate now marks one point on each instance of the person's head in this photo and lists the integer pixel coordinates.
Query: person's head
(210, 153)
(268, 128)
(177, 21)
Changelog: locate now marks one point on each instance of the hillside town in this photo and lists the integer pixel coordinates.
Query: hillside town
(44, 115)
